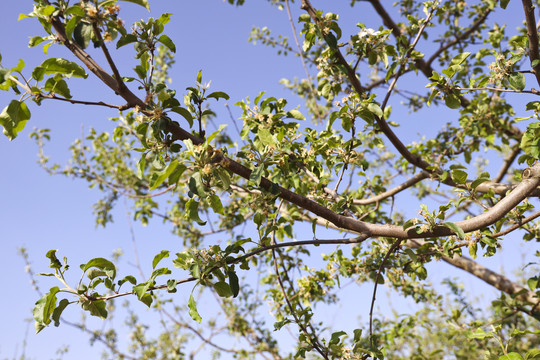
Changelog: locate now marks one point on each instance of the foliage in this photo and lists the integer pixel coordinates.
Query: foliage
(240, 202)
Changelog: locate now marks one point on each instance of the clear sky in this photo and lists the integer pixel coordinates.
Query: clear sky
(41, 212)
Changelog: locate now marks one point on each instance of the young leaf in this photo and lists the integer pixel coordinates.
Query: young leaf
(82, 34)
(96, 308)
(185, 113)
(58, 311)
(218, 95)
(102, 264)
(295, 114)
(192, 208)
(165, 40)
(223, 289)
(233, 282)
(13, 118)
(58, 66)
(452, 101)
(517, 81)
(163, 175)
(256, 175)
(44, 308)
(456, 229)
(126, 39)
(193, 309)
(458, 59)
(215, 203)
(163, 254)
(140, 2)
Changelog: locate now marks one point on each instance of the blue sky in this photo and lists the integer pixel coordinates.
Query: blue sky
(41, 212)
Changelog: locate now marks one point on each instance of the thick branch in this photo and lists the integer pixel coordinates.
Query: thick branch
(494, 279)
(93, 66)
(532, 34)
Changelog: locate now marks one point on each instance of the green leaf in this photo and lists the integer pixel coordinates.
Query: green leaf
(533, 283)
(504, 3)
(458, 59)
(141, 289)
(57, 86)
(102, 264)
(165, 40)
(55, 263)
(35, 40)
(256, 175)
(452, 101)
(192, 208)
(13, 118)
(266, 137)
(532, 354)
(223, 289)
(473, 248)
(459, 176)
(44, 308)
(129, 278)
(185, 113)
(163, 254)
(375, 109)
(143, 3)
(511, 356)
(58, 311)
(193, 309)
(218, 95)
(164, 18)
(171, 285)
(479, 334)
(147, 299)
(516, 81)
(96, 308)
(58, 66)
(233, 282)
(331, 40)
(215, 203)
(82, 34)
(279, 324)
(530, 141)
(163, 175)
(456, 229)
(295, 114)
(126, 39)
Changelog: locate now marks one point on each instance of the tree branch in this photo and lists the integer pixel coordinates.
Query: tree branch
(494, 279)
(532, 34)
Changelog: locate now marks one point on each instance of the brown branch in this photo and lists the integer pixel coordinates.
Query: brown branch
(507, 163)
(494, 279)
(351, 74)
(93, 66)
(199, 335)
(405, 59)
(384, 195)
(474, 26)
(532, 34)
(532, 91)
(121, 85)
(82, 102)
(393, 248)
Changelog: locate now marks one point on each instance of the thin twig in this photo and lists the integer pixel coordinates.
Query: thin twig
(118, 77)
(507, 163)
(82, 102)
(312, 337)
(394, 246)
(532, 91)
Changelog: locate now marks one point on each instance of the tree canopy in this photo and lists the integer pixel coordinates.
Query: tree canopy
(337, 185)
